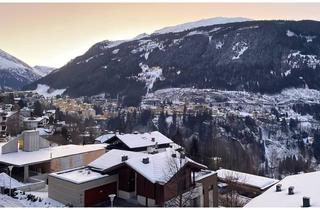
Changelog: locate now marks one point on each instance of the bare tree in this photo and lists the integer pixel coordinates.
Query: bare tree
(232, 198)
(273, 162)
(178, 182)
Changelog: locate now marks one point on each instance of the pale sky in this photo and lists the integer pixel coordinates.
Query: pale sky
(52, 34)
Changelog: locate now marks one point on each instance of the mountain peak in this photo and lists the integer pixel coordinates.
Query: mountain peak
(14, 73)
(200, 23)
(43, 70)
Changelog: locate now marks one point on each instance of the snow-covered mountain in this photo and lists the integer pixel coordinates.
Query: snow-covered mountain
(255, 56)
(14, 73)
(43, 70)
(200, 23)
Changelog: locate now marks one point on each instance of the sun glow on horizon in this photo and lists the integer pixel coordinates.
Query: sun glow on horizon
(53, 34)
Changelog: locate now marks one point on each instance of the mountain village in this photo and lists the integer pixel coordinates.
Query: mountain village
(202, 114)
(42, 164)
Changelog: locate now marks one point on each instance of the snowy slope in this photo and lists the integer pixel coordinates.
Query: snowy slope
(200, 23)
(7, 61)
(14, 73)
(43, 70)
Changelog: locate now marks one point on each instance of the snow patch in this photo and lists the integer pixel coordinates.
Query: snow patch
(290, 33)
(199, 23)
(149, 75)
(48, 92)
(148, 46)
(296, 60)
(239, 48)
(115, 51)
(219, 45)
(43, 70)
(308, 37)
(197, 33)
(287, 72)
(215, 29)
(110, 44)
(249, 27)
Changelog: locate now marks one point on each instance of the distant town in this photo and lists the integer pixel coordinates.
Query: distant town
(75, 152)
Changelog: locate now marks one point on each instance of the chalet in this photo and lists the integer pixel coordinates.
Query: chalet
(300, 190)
(145, 179)
(32, 155)
(136, 141)
(246, 185)
(104, 138)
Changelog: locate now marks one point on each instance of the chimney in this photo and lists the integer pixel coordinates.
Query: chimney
(124, 158)
(153, 139)
(306, 202)
(290, 190)
(174, 155)
(145, 160)
(278, 187)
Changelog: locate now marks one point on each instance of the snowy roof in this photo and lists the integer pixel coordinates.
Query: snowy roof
(247, 179)
(8, 113)
(144, 140)
(161, 167)
(45, 131)
(113, 158)
(157, 170)
(33, 119)
(105, 137)
(53, 111)
(304, 185)
(78, 175)
(21, 158)
(203, 174)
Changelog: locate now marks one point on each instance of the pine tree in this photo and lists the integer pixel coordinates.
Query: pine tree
(38, 109)
(162, 124)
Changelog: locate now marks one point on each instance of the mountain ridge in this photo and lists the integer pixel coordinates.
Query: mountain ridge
(14, 73)
(256, 56)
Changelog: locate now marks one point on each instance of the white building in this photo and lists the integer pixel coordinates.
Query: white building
(304, 189)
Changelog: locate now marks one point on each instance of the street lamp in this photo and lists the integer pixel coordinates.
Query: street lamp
(112, 196)
(10, 171)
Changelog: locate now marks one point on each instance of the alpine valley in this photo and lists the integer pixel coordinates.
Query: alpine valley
(242, 91)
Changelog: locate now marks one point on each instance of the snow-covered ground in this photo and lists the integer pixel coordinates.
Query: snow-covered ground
(43, 203)
(5, 181)
(47, 92)
(20, 200)
(7, 201)
(150, 75)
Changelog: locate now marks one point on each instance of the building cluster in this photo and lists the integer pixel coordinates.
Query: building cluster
(138, 169)
(135, 169)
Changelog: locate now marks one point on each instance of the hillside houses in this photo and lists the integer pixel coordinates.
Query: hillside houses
(136, 141)
(146, 179)
(242, 187)
(33, 155)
